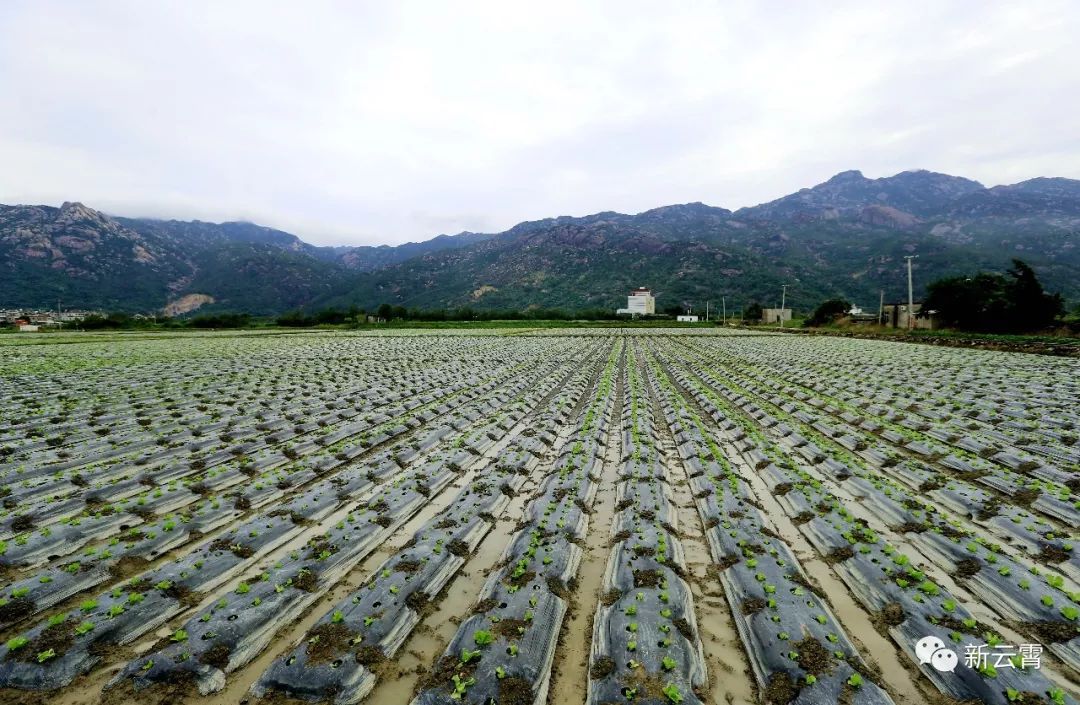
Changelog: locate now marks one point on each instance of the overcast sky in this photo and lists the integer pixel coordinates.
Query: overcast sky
(381, 122)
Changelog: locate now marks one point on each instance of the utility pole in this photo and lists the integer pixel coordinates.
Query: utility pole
(707, 311)
(910, 298)
(881, 308)
(783, 300)
(723, 301)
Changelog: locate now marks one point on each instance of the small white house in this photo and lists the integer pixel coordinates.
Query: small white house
(28, 328)
(686, 318)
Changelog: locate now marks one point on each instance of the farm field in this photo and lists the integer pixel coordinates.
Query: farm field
(516, 517)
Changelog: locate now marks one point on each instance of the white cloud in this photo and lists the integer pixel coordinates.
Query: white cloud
(384, 122)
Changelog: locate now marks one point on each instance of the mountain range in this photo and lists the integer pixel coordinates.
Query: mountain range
(845, 237)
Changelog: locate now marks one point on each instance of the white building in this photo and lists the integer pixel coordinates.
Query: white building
(28, 328)
(640, 302)
(687, 318)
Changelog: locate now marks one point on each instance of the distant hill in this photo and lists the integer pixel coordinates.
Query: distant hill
(845, 237)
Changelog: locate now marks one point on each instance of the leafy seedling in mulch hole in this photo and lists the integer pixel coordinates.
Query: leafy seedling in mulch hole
(467, 656)
(460, 685)
(179, 636)
(483, 637)
(855, 680)
(16, 643)
(672, 692)
(668, 663)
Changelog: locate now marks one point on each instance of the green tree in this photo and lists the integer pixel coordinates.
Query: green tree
(1012, 303)
(827, 312)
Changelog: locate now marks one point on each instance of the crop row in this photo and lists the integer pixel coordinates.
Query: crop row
(503, 651)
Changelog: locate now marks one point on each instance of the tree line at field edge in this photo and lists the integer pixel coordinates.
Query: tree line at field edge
(986, 302)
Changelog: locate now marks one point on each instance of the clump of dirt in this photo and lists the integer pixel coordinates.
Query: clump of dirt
(647, 578)
(619, 537)
(369, 655)
(216, 656)
(58, 638)
(17, 608)
(182, 594)
(892, 614)
(515, 690)
(557, 588)
(327, 641)
(145, 513)
(953, 624)
(408, 565)
(813, 657)
(753, 605)
(458, 548)
(625, 504)
(684, 627)
(242, 503)
(800, 579)
(1024, 497)
(507, 490)
(949, 531)
(1049, 553)
(910, 527)
(305, 580)
(602, 667)
(968, 567)
(383, 520)
(23, 522)
(521, 580)
(782, 489)
(728, 561)
(1053, 632)
(839, 555)
(127, 567)
(802, 517)
(418, 601)
(781, 689)
(445, 669)
(989, 509)
(485, 605)
(610, 597)
(237, 549)
(510, 628)
(934, 483)
(446, 524)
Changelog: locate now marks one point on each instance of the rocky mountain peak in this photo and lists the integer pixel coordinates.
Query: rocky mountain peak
(846, 177)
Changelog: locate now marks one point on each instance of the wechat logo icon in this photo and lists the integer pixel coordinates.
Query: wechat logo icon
(932, 650)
